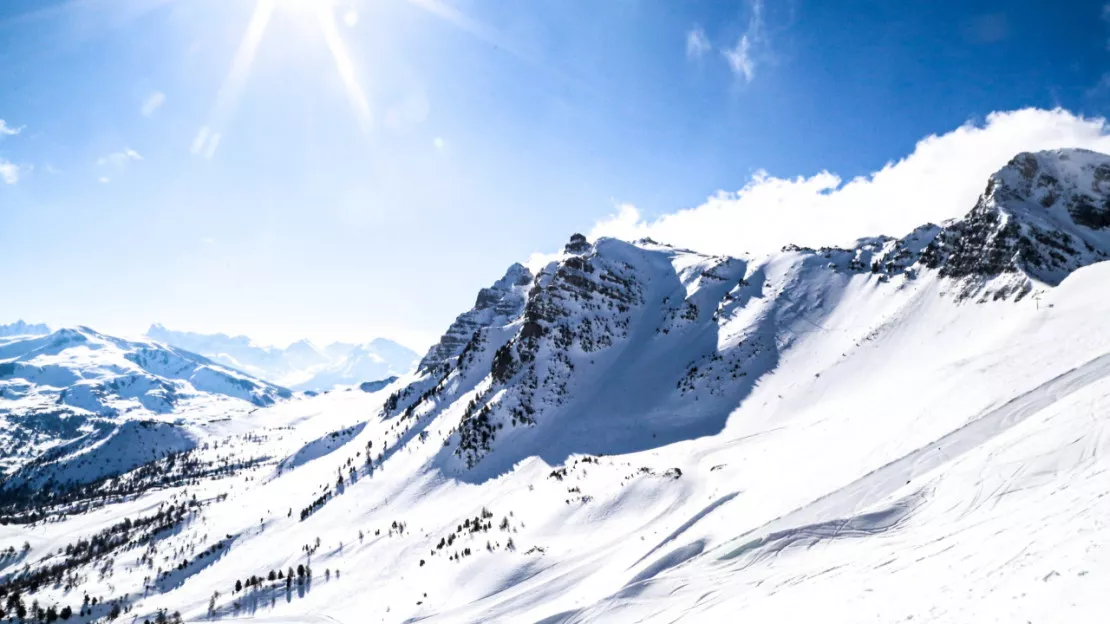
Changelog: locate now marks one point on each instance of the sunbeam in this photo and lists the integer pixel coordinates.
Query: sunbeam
(345, 67)
(208, 137)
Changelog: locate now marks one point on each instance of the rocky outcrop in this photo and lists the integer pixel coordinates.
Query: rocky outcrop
(494, 306)
(580, 304)
(1041, 217)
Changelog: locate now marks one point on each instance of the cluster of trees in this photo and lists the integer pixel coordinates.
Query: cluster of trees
(14, 607)
(163, 618)
(185, 563)
(302, 573)
(481, 523)
(25, 504)
(315, 505)
(99, 546)
(11, 553)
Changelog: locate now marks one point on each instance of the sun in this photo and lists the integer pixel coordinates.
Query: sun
(324, 13)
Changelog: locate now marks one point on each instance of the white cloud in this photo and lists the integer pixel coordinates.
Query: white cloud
(439, 143)
(7, 130)
(208, 240)
(350, 18)
(740, 60)
(741, 57)
(153, 102)
(940, 180)
(120, 159)
(104, 179)
(10, 172)
(697, 44)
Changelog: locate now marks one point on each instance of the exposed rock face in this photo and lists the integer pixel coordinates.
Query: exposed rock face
(495, 305)
(579, 304)
(1041, 217)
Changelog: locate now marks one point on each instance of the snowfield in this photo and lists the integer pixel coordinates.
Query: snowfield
(910, 430)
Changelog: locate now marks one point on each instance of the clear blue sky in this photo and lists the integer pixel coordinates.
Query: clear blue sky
(379, 164)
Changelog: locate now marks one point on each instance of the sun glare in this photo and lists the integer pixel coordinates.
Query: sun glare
(324, 12)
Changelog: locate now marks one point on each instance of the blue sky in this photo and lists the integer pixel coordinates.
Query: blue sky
(379, 161)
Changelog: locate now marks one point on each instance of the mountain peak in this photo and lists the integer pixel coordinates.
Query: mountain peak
(1041, 217)
(23, 328)
(495, 305)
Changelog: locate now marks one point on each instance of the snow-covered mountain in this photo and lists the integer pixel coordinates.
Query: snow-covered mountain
(909, 429)
(22, 328)
(300, 366)
(76, 392)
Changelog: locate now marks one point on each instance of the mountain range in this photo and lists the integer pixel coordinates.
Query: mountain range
(300, 366)
(908, 428)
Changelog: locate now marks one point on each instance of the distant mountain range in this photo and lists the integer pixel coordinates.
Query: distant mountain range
(300, 366)
(21, 328)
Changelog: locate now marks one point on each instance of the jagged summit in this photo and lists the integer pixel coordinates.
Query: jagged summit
(573, 346)
(496, 304)
(1041, 217)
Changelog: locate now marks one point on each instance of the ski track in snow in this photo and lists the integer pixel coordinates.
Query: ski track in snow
(873, 488)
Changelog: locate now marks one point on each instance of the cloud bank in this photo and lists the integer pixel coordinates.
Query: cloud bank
(940, 180)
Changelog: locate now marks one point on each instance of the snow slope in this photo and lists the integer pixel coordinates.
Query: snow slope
(300, 366)
(913, 429)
